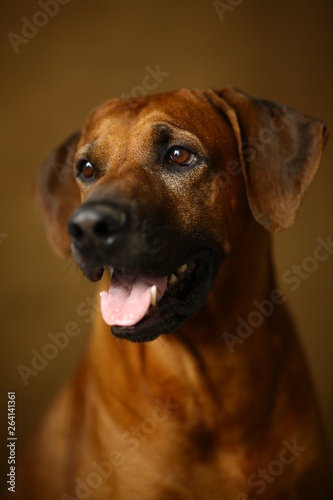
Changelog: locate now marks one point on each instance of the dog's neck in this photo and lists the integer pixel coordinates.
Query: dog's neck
(244, 277)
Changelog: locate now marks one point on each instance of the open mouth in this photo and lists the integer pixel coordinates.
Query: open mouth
(140, 308)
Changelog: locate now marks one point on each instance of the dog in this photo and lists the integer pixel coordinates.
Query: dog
(170, 201)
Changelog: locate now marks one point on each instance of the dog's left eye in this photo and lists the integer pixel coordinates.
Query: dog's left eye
(180, 156)
(85, 170)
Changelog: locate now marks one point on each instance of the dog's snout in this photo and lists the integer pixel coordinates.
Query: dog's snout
(97, 224)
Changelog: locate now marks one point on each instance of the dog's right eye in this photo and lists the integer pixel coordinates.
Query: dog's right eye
(85, 170)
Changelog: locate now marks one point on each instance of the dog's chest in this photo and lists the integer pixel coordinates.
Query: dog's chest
(176, 462)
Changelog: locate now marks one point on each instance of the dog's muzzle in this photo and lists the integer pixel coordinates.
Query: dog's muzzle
(147, 296)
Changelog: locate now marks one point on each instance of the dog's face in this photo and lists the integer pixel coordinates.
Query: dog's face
(161, 188)
(149, 180)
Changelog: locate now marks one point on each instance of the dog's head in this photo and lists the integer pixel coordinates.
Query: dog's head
(156, 189)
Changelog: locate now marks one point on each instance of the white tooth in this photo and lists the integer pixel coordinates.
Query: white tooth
(173, 279)
(110, 271)
(153, 296)
(182, 269)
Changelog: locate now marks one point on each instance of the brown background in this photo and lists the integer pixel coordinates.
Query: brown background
(91, 51)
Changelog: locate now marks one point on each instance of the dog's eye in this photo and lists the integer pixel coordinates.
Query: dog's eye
(86, 170)
(180, 156)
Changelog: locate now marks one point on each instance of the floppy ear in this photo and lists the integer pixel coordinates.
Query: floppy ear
(280, 150)
(57, 194)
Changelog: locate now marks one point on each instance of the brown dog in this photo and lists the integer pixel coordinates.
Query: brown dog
(175, 195)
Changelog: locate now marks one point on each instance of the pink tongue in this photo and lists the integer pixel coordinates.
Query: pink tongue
(129, 297)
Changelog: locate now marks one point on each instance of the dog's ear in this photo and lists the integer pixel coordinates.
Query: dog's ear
(280, 150)
(57, 194)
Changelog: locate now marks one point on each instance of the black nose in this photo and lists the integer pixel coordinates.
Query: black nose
(96, 224)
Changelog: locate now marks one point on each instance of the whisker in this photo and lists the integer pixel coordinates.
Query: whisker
(69, 265)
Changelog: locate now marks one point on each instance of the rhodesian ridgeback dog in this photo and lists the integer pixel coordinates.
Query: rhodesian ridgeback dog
(193, 385)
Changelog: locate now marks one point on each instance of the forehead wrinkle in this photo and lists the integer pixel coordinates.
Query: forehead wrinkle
(169, 131)
(85, 150)
(113, 136)
(161, 124)
(192, 115)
